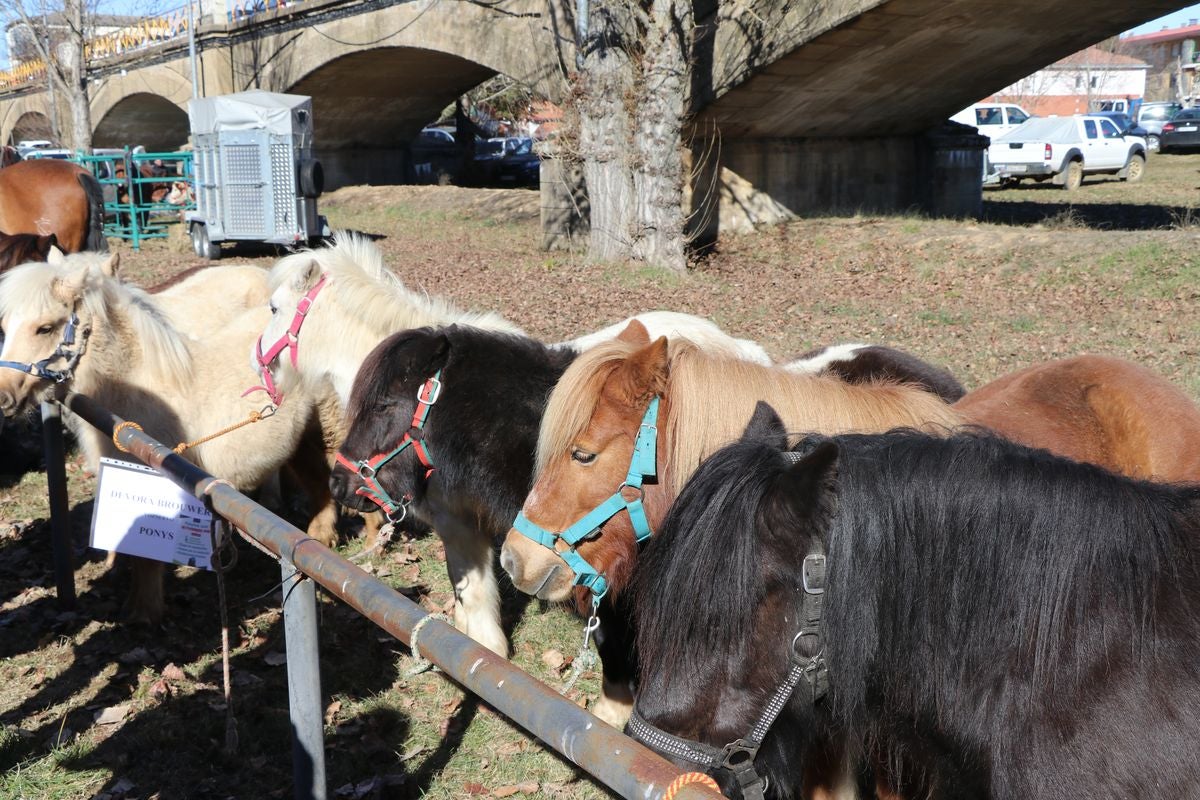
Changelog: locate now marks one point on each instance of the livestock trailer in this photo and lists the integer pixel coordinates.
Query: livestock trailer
(256, 176)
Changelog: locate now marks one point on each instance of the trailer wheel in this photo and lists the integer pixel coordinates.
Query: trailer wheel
(202, 245)
(312, 178)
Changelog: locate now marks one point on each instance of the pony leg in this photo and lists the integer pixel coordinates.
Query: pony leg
(469, 557)
(145, 601)
(615, 644)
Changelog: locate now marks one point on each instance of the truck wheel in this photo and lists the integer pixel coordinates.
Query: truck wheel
(204, 247)
(1136, 168)
(1074, 175)
(1152, 143)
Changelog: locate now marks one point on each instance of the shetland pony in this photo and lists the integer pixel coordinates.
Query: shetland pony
(861, 363)
(362, 301)
(1097, 409)
(45, 196)
(132, 360)
(595, 412)
(997, 622)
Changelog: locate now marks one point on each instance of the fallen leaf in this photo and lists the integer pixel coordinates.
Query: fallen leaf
(554, 659)
(112, 715)
(475, 788)
(160, 688)
(406, 556)
(506, 791)
(331, 711)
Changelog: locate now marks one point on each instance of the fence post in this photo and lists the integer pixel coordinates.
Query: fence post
(304, 683)
(60, 513)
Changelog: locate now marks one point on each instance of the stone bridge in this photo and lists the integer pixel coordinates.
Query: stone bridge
(799, 106)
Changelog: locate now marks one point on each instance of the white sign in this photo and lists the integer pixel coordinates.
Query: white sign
(141, 513)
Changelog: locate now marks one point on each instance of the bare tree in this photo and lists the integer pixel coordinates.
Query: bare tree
(629, 98)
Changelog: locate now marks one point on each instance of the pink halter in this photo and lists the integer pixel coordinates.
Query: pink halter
(289, 341)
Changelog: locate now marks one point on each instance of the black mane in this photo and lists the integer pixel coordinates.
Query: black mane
(985, 594)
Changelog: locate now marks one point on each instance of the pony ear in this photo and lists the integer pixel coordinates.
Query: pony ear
(69, 288)
(307, 276)
(635, 333)
(429, 353)
(111, 265)
(54, 255)
(765, 425)
(805, 497)
(644, 373)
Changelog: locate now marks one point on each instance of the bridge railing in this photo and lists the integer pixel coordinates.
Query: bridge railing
(146, 32)
(626, 766)
(239, 10)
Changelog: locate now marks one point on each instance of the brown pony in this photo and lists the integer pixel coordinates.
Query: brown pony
(1098, 409)
(596, 410)
(21, 248)
(45, 196)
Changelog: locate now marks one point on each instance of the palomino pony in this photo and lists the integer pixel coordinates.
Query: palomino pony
(1098, 409)
(633, 396)
(975, 618)
(47, 196)
(73, 325)
(352, 301)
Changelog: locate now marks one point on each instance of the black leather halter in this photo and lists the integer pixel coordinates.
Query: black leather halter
(808, 670)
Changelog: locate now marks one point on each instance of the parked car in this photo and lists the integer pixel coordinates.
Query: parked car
(992, 119)
(1182, 131)
(519, 165)
(1064, 149)
(434, 154)
(1124, 124)
(1152, 117)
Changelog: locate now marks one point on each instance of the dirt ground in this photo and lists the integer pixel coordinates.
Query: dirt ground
(93, 707)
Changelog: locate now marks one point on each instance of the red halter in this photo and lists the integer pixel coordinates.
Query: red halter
(368, 468)
(289, 341)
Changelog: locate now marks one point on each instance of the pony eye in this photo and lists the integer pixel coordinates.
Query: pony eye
(45, 330)
(271, 306)
(582, 456)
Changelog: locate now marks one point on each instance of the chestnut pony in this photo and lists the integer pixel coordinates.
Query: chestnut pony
(1098, 409)
(47, 196)
(596, 411)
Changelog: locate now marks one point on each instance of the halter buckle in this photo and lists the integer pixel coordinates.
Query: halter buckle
(640, 493)
(435, 391)
(812, 574)
(366, 471)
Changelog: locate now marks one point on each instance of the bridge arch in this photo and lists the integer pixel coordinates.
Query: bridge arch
(27, 118)
(142, 118)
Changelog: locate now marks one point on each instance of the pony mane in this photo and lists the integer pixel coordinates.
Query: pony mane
(30, 287)
(969, 576)
(711, 396)
(368, 290)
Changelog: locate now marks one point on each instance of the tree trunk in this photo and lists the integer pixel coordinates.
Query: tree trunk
(658, 142)
(604, 146)
(77, 92)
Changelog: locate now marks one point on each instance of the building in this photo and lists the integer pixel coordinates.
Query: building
(1078, 83)
(1173, 57)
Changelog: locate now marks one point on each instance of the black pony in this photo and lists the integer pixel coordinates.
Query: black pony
(998, 622)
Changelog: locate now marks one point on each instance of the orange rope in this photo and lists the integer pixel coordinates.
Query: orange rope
(117, 431)
(255, 416)
(685, 779)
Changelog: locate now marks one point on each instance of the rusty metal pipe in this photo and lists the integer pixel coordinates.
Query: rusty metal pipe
(627, 767)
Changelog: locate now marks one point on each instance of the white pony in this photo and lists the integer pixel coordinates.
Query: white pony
(359, 304)
(130, 358)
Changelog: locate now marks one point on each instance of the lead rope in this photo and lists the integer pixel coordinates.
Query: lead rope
(585, 659)
(686, 778)
(220, 542)
(255, 416)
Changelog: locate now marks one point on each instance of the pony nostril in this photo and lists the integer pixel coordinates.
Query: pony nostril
(7, 402)
(510, 563)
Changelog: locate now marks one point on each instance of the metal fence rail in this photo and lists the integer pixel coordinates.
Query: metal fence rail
(622, 764)
(130, 210)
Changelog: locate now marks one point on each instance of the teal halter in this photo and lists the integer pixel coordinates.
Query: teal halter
(643, 464)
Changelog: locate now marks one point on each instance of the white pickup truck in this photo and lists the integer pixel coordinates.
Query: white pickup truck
(1063, 150)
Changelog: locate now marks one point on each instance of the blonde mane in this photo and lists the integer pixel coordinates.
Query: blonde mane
(104, 301)
(710, 397)
(362, 286)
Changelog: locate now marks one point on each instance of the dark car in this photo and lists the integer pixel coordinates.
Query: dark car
(520, 165)
(1182, 132)
(1124, 124)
